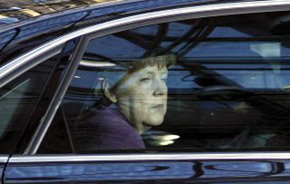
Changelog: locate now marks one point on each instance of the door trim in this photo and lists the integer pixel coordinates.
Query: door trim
(152, 157)
(4, 158)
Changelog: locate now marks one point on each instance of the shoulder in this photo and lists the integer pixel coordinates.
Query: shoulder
(111, 130)
(109, 118)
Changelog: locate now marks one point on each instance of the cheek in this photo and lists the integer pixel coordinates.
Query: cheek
(141, 94)
(133, 89)
(136, 100)
(136, 96)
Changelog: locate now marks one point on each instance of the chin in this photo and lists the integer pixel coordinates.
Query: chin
(154, 122)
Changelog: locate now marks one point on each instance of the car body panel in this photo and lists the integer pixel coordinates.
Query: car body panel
(53, 169)
(167, 170)
(26, 10)
(30, 33)
(47, 22)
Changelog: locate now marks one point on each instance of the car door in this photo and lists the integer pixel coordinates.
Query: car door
(224, 82)
(26, 92)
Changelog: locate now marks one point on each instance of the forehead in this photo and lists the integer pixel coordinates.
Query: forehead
(151, 69)
(131, 78)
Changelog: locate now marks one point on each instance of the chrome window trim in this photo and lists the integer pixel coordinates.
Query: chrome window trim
(4, 158)
(23, 68)
(141, 20)
(56, 100)
(152, 157)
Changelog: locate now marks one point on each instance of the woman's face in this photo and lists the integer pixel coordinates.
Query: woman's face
(142, 98)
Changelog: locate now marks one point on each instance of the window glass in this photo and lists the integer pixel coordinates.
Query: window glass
(20, 101)
(204, 84)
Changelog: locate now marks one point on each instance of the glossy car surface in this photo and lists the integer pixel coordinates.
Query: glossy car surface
(45, 45)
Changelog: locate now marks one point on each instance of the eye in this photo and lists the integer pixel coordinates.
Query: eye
(145, 79)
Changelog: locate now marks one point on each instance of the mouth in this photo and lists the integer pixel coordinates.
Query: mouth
(157, 107)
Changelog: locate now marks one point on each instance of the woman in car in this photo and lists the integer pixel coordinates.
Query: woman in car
(134, 104)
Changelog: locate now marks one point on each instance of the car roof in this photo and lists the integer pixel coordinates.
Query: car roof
(16, 11)
(21, 19)
(20, 10)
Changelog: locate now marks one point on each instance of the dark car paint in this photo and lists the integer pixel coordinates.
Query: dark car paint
(30, 36)
(26, 31)
(31, 32)
(15, 9)
(262, 171)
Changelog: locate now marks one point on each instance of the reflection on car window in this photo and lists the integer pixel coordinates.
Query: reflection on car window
(19, 100)
(206, 84)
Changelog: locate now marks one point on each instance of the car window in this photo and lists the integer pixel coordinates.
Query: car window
(23, 100)
(201, 84)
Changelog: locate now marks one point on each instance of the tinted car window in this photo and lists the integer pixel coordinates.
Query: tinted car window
(20, 100)
(210, 84)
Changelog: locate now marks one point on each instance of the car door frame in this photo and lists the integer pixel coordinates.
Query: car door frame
(117, 25)
(145, 19)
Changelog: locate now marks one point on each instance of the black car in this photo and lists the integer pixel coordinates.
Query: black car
(145, 91)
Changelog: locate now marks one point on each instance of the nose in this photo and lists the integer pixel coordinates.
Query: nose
(160, 88)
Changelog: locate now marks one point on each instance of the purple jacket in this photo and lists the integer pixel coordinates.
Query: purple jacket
(107, 129)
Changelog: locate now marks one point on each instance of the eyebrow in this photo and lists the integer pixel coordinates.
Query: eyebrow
(153, 73)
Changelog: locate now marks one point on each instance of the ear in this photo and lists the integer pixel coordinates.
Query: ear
(107, 91)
